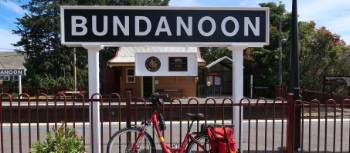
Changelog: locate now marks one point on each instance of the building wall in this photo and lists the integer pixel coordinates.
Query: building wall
(177, 86)
(134, 87)
(226, 77)
(174, 86)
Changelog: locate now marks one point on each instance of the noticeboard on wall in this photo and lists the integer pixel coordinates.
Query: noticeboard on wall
(165, 64)
(178, 64)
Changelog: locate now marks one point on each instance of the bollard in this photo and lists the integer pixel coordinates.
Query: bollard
(291, 126)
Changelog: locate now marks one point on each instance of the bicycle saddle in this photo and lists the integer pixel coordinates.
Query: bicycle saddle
(196, 116)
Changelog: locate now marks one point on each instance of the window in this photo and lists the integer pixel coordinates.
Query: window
(130, 76)
(209, 80)
(5, 78)
(217, 80)
(214, 80)
(15, 78)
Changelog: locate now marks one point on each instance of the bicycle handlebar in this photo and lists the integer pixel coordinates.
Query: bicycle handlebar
(156, 99)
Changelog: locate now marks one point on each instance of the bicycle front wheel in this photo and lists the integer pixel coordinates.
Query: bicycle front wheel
(201, 145)
(131, 140)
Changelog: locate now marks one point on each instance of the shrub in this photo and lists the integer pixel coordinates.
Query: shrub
(63, 140)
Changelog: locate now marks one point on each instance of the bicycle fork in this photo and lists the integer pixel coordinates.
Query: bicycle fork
(138, 139)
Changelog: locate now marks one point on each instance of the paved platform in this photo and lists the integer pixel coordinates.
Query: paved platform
(256, 141)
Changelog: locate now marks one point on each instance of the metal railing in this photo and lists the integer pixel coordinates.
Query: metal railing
(264, 124)
(325, 126)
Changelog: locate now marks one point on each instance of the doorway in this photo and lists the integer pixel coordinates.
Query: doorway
(147, 86)
(116, 83)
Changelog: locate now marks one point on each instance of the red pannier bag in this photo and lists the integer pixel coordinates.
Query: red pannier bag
(221, 139)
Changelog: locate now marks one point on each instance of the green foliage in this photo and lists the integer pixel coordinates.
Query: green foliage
(322, 53)
(47, 82)
(262, 62)
(48, 63)
(265, 61)
(211, 54)
(63, 140)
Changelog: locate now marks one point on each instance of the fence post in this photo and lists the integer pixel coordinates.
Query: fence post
(128, 118)
(291, 123)
(128, 108)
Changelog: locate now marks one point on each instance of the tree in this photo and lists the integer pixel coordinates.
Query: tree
(321, 53)
(49, 64)
(261, 62)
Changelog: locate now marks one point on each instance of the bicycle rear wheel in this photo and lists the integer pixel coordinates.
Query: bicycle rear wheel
(130, 140)
(203, 145)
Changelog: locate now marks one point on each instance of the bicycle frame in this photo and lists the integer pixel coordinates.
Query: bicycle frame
(165, 147)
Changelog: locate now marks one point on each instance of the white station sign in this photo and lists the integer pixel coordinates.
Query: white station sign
(194, 26)
(165, 64)
(12, 72)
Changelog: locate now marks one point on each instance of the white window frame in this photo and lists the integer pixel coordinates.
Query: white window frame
(129, 76)
(5, 78)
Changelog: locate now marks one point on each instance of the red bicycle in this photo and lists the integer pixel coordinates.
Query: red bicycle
(136, 139)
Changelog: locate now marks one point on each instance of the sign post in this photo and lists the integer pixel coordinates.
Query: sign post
(19, 84)
(237, 85)
(94, 87)
(122, 26)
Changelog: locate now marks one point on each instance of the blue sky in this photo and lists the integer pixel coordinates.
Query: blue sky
(333, 14)
(9, 11)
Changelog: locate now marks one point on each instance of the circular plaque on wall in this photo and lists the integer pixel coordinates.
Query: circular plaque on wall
(152, 64)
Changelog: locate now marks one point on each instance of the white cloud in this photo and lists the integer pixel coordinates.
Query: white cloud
(320, 9)
(339, 24)
(7, 38)
(332, 14)
(185, 3)
(14, 7)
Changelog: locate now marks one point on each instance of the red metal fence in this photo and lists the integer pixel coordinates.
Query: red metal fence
(325, 126)
(264, 125)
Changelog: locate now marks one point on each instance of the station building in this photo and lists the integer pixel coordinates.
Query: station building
(121, 74)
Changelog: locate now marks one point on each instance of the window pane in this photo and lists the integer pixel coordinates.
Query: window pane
(131, 72)
(217, 80)
(210, 78)
(131, 79)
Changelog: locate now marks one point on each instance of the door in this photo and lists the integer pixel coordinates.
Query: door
(147, 86)
(118, 74)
